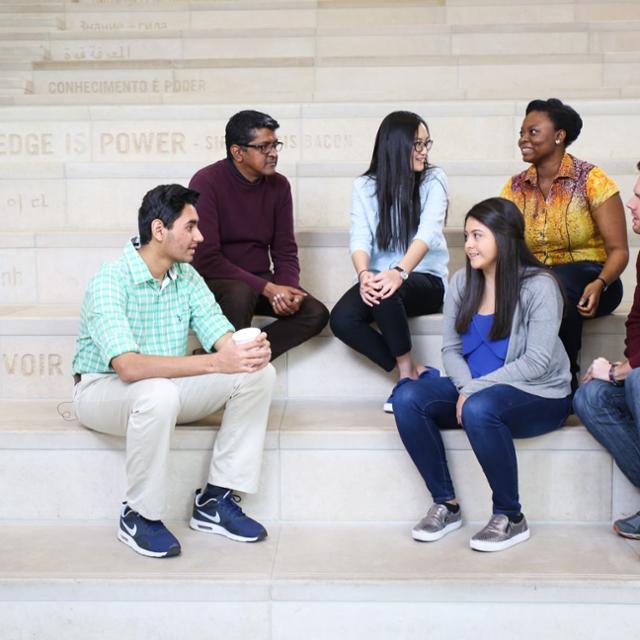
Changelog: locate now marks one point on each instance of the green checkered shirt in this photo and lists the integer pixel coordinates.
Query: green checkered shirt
(126, 309)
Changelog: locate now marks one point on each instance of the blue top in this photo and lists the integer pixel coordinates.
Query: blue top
(482, 354)
(364, 222)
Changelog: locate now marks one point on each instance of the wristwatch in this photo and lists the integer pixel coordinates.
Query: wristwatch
(612, 377)
(403, 274)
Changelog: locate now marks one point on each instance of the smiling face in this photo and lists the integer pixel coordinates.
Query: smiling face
(419, 158)
(251, 162)
(480, 246)
(538, 138)
(634, 207)
(180, 242)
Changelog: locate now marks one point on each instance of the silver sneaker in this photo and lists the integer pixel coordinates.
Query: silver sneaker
(500, 533)
(437, 523)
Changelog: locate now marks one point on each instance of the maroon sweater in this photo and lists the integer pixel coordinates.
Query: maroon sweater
(246, 227)
(632, 342)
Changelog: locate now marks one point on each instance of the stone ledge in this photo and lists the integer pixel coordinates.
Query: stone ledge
(561, 563)
(313, 424)
(99, 238)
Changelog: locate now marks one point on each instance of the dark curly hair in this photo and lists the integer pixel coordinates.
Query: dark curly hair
(562, 115)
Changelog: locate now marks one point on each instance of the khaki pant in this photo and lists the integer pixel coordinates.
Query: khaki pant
(146, 412)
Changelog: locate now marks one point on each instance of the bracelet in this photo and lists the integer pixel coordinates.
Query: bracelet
(604, 282)
(612, 377)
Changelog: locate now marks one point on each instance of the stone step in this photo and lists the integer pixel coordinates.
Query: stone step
(318, 581)
(343, 80)
(46, 272)
(104, 196)
(323, 45)
(78, 474)
(37, 344)
(340, 134)
(42, 267)
(14, 86)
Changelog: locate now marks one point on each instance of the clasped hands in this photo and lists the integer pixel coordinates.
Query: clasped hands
(379, 286)
(285, 301)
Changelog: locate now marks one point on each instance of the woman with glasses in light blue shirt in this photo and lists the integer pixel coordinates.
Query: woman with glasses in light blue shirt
(398, 248)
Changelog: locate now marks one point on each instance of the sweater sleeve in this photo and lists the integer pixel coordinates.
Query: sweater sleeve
(283, 249)
(209, 260)
(632, 340)
(540, 317)
(455, 365)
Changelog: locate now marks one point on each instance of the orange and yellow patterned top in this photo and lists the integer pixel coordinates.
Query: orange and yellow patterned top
(560, 228)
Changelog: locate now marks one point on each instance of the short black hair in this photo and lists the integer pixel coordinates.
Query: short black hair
(562, 115)
(165, 203)
(242, 125)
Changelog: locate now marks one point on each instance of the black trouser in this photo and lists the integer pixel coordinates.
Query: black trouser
(351, 318)
(574, 277)
(239, 302)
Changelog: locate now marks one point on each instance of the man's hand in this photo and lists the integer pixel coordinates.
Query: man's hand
(285, 301)
(598, 370)
(242, 358)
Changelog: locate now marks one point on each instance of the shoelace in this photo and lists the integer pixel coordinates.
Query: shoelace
(229, 501)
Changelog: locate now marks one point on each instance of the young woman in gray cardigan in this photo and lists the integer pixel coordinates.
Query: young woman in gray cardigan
(507, 374)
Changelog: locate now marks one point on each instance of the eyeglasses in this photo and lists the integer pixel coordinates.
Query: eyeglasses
(266, 147)
(419, 145)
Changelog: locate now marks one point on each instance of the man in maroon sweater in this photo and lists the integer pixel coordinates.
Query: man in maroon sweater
(609, 404)
(249, 257)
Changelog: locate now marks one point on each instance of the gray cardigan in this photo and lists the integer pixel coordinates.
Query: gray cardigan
(536, 361)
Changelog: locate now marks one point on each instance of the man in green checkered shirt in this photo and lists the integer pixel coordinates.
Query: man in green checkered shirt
(134, 377)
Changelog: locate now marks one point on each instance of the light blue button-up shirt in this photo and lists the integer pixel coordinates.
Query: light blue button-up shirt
(364, 222)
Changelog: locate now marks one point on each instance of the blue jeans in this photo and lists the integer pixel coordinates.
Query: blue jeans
(491, 418)
(612, 415)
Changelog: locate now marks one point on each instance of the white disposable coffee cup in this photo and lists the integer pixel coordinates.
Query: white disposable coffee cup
(246, 335)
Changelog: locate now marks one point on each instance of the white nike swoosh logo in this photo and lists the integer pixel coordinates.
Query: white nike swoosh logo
(131, 531)
(215, 518)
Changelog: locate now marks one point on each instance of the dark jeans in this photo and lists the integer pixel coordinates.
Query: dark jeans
(612, 415)
(574, 278)
(351, 319)
(239, 302)
(491, 418)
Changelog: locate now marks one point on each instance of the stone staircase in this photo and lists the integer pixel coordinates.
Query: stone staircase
(101, 100)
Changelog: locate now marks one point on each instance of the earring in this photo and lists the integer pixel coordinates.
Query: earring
(557, 141)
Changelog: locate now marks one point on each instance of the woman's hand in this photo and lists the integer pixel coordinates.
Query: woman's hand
(368, 292)
(590, 299)
(461, 400)
(387, 282)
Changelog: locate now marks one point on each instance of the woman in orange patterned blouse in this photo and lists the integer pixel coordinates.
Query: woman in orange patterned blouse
(574, 218)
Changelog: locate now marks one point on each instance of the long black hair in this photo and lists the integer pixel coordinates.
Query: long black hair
(514, 263)
(397, 184)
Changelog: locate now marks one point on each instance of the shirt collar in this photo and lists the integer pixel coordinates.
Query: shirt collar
(138, 267)
(238, 175)
(566, 170)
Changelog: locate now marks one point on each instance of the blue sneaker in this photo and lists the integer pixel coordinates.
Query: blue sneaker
(224, 516)
(147, 537)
